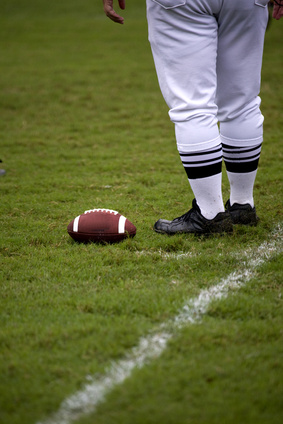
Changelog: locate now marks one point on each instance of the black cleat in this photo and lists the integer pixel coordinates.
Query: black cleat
(195, 223)
(242, 214)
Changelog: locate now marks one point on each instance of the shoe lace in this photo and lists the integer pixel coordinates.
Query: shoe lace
(186, 216)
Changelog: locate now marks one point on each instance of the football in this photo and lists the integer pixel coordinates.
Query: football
(101, 225)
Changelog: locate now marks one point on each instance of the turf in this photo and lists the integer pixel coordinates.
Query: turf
(83, 125)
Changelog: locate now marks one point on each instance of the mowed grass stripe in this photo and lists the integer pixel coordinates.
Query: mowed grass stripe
(151, 347)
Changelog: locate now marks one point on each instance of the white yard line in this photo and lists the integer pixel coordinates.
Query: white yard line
(85, 401)
(168, 255)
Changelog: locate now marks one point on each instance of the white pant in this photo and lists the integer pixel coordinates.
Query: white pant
(208, 56)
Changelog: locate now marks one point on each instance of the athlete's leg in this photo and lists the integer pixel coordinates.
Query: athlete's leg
(242, 26)
(183, 37)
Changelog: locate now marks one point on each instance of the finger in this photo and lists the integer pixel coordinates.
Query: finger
(122, 4)
(111, 14)
(115, 17)
(277, 12)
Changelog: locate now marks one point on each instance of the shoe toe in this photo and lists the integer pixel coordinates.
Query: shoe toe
(161, 226)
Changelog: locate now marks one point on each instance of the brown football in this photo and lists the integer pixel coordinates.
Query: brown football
(100, 225)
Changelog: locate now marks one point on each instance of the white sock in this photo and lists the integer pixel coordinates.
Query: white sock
(241, 187)
(208, 194)
(241, 165)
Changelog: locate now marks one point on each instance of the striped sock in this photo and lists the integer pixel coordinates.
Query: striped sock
(241, 159)
(204, 171)
(241, 165)
(202, 164)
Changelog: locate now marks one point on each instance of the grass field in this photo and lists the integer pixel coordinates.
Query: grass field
(83, 125)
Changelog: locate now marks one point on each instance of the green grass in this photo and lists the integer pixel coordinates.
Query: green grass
(83, 125)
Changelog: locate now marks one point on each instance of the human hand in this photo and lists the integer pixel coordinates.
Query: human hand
(110, 12)
(277, 9)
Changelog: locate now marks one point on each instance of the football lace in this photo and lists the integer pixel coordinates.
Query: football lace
(102, 210)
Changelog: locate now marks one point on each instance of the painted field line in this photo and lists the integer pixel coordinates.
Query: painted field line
(168, 255)
(86, 400)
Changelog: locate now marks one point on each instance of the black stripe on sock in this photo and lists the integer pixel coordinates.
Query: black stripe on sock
(242, 167)
(242, 159)
(238, 149)
(195, 172)
(202, 162)
(206, 152)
